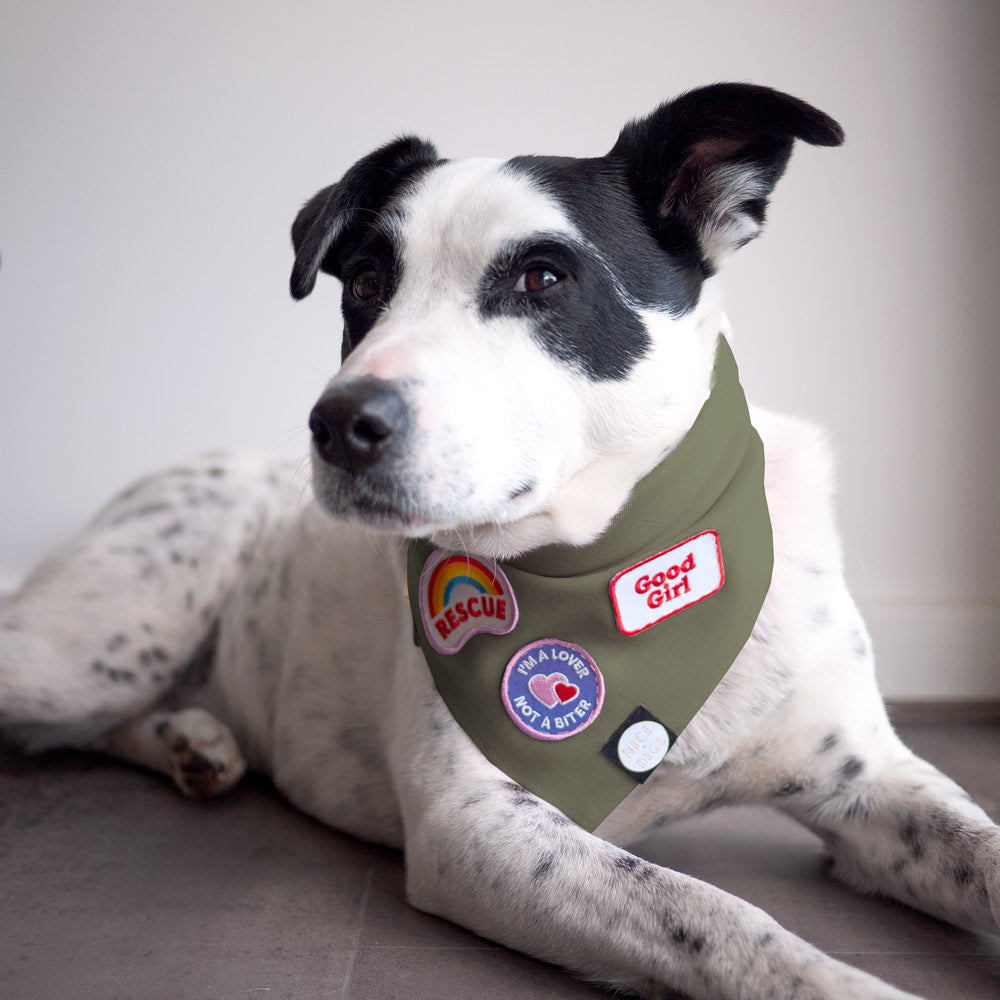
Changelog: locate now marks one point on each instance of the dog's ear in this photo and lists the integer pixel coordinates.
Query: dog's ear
(331, 218)
(701, 166)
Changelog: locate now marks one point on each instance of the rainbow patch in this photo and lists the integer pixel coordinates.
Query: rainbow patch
(462, 596)
(456, 571)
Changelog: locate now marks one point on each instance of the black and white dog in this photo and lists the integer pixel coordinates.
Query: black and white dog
(525, 342)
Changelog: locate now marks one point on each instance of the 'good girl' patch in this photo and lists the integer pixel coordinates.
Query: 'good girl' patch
(462, 596)
(552, 689)
(668, 582)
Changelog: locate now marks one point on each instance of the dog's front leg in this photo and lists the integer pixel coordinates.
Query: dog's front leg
(490, 856)
(895, 825)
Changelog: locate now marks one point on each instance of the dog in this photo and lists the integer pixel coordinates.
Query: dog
(526, 342)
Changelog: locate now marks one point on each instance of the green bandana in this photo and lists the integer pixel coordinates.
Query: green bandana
(574, 669)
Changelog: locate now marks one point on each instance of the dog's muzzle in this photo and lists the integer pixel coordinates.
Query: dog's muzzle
(356, 424)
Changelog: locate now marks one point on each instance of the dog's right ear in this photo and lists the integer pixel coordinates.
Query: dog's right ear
(701, 166)
(331, 218)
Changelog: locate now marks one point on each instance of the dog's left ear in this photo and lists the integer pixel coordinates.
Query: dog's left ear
(701, 166)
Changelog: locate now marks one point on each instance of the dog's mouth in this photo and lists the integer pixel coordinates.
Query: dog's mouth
(387, 503)
(382, 511)
(380, 505)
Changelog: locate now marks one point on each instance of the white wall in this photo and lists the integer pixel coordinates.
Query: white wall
(154, 154)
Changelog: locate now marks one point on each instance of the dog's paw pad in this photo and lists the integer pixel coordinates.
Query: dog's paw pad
(204, 757)
(200, 776)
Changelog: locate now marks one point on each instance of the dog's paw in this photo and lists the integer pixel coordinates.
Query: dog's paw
(204, 757)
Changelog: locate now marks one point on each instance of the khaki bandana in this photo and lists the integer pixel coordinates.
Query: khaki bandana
(574, 669)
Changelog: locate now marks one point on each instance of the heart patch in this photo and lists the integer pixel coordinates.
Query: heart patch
(552, 689)
(566, 693)
(547, 703)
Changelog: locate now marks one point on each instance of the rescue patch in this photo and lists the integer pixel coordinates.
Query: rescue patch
(462, 596)
(668, 582)
(552, 689)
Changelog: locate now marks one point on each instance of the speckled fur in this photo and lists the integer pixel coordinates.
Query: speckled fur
(214, 617)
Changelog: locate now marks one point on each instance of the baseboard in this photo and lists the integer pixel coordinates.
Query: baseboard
(944, 712)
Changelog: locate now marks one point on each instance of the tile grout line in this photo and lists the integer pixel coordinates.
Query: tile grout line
(905, 953)
(469, 948)
(362, 913)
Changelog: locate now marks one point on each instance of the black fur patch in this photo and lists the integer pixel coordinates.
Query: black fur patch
(595, 194)
(543, 869)
(378, 253)
(852, 767)
(339, 215)
(790, 787)
(589, 319)
(580, 320)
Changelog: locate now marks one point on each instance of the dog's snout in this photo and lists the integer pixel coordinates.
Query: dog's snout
(353, 424)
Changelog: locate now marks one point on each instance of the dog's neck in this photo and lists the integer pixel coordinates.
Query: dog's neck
(579, 511)
(581, 508)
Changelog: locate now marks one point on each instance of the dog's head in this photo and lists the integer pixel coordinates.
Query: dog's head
(524, 339)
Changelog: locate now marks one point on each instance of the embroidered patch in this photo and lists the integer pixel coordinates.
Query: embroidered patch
(462, 596)
(668, 582)
(552, 689)
(639, 744)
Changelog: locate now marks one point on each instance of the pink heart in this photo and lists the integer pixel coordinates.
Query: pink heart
(553, 689)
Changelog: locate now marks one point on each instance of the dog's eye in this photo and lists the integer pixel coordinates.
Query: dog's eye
(537, 279)
(366, 285)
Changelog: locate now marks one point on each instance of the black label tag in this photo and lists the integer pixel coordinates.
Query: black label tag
(639, 744)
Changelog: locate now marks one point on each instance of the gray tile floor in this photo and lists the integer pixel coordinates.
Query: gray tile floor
(113, 887)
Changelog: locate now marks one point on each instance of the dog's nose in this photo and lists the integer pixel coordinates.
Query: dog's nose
(353, 424)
